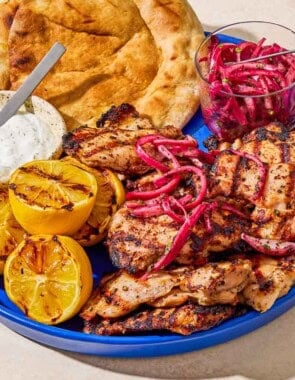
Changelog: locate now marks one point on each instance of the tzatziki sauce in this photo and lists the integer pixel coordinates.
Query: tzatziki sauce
(24, 138)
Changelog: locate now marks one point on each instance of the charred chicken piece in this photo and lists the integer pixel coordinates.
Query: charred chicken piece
(112, 145)
(270, 279)
(273, 144)
(136, 243)
(274, 212)
(121, 293)
(214, 283)
(183, 320)
(238, 178)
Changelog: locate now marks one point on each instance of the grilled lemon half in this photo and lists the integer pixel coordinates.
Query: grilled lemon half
(48, 277)
(52, 197)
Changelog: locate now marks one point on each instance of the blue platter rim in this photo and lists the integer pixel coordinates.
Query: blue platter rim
(147, 345)
(142, 346)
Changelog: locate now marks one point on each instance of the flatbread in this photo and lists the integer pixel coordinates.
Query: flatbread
(139, 52)
(7, 12)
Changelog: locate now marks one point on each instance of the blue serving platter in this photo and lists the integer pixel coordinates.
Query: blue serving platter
(68, 336)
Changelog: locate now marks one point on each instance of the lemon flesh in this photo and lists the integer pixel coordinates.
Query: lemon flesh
(48, 277)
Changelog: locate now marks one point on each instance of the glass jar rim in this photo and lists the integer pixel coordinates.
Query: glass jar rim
(220, 29)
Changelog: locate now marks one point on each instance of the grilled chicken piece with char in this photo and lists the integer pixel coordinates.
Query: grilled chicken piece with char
(270, 279)
(236, 177)
(112, 144)
(183, 320)
(273, 144)
(137, 243)
(256, 281)
(273, 215)
(214, 283)
(120, 293)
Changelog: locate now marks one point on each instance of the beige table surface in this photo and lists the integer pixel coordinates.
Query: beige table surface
(268, 353)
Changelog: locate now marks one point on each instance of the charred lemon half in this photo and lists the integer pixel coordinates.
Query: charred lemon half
(48, 277)
(52, 197)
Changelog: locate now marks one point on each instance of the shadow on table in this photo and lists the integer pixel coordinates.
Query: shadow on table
(267, 353)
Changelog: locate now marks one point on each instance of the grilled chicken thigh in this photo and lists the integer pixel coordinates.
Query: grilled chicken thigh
(273, 214)
(273, 144)
(235, 177)
(112, 144)
(214, 283)
(136, 243)
(213, 291)
(238, 177)
(183, 320)
(121, 293)
(270, 279)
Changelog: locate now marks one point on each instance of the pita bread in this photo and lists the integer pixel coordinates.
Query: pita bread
(140, 52)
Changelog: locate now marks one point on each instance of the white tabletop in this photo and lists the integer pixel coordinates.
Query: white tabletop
(266, 354)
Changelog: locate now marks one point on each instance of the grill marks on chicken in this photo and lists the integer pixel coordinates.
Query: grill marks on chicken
(238, 178)
(136, 243)
(274, 213)
(270, 279)
(112, 145)
(176, 299)
(190, 298)
(214, 283)
(183, 320)
(231, 176)
(272, 144)
(121, 293)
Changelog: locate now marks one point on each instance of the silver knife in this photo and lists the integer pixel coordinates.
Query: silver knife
(32, 81)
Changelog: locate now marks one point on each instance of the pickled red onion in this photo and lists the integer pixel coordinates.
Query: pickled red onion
(179, 240)
(270, 247)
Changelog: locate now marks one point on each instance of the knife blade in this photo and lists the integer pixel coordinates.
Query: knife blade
(32, 81)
